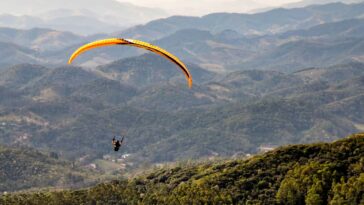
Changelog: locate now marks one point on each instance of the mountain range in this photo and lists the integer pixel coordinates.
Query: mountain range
(76, 16)
(316, 2)
(285, 76)
(238, 113)
(269, 22)
(306, 40)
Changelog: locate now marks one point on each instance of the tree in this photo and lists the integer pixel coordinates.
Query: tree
(314, 194)
(289, 193)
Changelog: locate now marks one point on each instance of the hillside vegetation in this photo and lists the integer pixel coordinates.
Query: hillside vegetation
(326, 173)
(25, 168)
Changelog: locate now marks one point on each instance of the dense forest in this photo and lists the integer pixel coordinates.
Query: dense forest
(324, 173)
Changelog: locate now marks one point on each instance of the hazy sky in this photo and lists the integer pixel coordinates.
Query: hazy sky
(199, 7)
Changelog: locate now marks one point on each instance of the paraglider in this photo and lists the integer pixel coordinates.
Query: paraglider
(116, 143)
(135, 43)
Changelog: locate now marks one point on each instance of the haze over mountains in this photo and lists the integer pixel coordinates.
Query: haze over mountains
(310, 2)
(260, 80)
(76, 16)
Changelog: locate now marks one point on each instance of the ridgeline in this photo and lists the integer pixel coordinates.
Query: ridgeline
(324, 173)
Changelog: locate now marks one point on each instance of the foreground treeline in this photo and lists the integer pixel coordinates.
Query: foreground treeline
(301, 174)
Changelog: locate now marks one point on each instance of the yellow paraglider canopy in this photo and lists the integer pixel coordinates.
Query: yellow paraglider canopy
(135, 43)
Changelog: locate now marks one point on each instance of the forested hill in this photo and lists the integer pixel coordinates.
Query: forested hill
(25, 168)
(326, 173)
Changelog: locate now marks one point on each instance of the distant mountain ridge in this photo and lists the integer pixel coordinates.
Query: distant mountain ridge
(39, 39)
(346, 28)
(270, 22)
(316, 2)
(220, 48)
(10, 53)
(72, 16)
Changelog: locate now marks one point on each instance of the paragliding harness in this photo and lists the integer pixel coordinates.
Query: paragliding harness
(116, 143)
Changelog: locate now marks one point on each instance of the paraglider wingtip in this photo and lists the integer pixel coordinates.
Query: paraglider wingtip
(189, 83)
